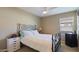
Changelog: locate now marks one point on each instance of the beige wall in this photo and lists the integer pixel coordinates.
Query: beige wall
(50, 24)
(9, 18)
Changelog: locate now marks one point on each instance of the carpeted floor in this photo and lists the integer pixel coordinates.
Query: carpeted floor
(26, 49)
(63, 48)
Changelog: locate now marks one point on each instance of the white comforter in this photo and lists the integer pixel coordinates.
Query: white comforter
(41, 42)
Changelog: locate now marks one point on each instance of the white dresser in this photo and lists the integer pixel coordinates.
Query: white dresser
(13, 44)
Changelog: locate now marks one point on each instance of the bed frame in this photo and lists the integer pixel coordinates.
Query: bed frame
(55, 47)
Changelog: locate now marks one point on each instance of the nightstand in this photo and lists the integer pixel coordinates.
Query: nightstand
(13, 43)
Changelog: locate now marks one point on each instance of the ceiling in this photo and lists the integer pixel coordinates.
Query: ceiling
(38, 11)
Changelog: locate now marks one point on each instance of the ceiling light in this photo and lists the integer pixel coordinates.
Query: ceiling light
(44, 12)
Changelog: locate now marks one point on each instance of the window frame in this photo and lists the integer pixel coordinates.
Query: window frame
(64, 21)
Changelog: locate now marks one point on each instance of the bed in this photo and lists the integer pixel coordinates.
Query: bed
(40, 42)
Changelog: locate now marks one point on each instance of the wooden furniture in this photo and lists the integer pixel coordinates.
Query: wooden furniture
(71, 39)
(13, 43)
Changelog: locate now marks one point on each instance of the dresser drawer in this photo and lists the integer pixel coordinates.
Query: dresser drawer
(13, 44)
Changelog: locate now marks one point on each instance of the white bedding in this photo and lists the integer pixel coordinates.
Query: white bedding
(41, 42)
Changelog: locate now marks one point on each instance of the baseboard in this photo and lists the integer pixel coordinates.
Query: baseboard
(3, 50)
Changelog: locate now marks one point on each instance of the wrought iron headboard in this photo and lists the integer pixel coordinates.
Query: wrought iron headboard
(21, 27)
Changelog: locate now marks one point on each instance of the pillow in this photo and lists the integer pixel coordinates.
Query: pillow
(27, 33)
(35, 32)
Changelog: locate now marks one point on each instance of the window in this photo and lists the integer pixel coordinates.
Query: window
(66, 24)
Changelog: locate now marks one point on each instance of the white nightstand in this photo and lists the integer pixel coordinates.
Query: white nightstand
(13, 44)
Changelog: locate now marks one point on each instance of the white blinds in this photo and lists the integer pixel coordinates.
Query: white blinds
(66, 24)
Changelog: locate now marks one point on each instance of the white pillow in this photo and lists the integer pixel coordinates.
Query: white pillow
(27, 33)
(35, 32)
